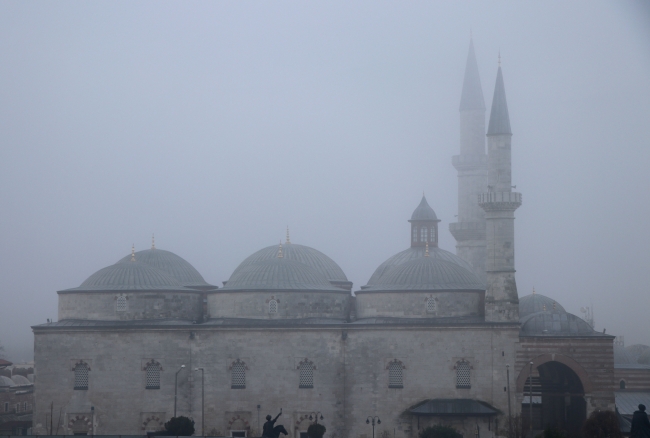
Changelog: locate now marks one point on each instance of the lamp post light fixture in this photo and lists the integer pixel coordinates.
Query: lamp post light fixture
(176, 387)
(315, 417)
(530, 401)
(202, 400)
(374, 419)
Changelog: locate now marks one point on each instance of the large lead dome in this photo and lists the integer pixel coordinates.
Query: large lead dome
(172, 265)
(129, 275)
(301, 254)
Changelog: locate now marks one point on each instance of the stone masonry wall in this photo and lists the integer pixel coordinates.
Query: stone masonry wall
(350, 379)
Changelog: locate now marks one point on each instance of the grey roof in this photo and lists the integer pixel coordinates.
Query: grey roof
(299, 253)
(453, 407)
(556, 323)
(424, 212)
(499, 118)
(129, 276)
(279, 274)
(429, 322)
(472, 95)
(535, 302)
(6, 381)
(427, 273)
(635, 356)
(415, 253)
(20, 380)
(628, 401)
(171, 264)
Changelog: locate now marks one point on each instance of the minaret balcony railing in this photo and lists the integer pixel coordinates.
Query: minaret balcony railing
(496, 201)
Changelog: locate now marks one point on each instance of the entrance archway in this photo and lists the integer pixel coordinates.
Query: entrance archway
(559, 385)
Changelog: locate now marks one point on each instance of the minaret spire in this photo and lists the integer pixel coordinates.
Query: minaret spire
(499, 203)
(472, 94)
(499, 118)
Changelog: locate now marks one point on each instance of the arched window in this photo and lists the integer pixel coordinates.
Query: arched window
(81, 376)
(622, 384)
(120, 303)
(306, 368)
(152, 375)
(238, 375)
(432, 306)
(273, 306)
(395, 374)
(423, 234)
(463, 375)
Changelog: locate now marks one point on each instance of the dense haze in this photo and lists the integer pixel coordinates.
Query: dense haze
(215, 125)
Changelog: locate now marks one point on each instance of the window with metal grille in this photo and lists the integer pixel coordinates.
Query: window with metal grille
(81, 376)
(238, 433)
(395, 374)
(306, 374)
(24, 406)
(153, 376)
(462, 375)
(273, 306)
(120, 304)
(238, 375)
(431, 305)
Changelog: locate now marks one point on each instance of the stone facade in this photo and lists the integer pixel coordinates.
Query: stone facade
(350, 375)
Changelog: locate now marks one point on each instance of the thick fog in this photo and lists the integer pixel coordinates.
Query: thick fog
(215, 125)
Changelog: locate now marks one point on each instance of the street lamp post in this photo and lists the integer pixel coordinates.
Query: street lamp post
(509, 403)
(176, 387)
(202, 400)
(375, 418)
(315, 416)
(530, 401)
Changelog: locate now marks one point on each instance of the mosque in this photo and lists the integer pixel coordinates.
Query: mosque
(432, 338)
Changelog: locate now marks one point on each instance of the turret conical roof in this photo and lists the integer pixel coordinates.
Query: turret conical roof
(472, 95)
(499, 118)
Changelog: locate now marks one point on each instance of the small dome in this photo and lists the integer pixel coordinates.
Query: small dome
(278, 274)
(416, 253)
(556, 323)
(130, 276)
(6, 381)
(299, 253)
(621, 356)
(424, 212)
(20, 380)
(171, 264)
(534, 303)
(427, 273)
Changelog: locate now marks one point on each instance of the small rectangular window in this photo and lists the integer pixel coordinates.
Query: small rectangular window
(395, 375)
(25, 406)
(306, 375)
(238, 375)
(81, 376)
(238, 433)
(463, 375)
(17, 407)
(153, 376)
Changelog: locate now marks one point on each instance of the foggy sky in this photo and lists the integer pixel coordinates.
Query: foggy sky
(215, 125)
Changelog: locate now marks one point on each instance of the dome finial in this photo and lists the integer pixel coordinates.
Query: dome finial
(426, 249)
(554, 305)
(288, 240)
(153, 242)
(280, 251)
(533, 290)
(133, 252)
(544, 308)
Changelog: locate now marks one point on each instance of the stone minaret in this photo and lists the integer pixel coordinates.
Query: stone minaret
(471, 164)
(499, 204)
